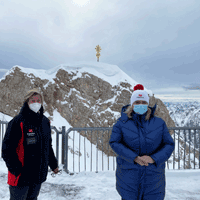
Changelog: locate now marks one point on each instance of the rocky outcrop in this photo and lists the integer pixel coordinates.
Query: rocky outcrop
(87, 101)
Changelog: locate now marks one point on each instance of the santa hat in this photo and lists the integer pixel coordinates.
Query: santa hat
(139, 94)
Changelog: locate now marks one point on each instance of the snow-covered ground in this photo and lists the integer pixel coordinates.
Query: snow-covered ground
(180, 184)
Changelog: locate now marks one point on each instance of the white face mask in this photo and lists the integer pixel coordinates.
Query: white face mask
(35, 107)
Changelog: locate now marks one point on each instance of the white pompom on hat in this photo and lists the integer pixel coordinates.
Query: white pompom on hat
(139, 94)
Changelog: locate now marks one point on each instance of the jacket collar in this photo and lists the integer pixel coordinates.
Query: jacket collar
(31, 115)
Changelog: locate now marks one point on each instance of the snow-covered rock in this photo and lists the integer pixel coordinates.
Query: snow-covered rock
(86, 94)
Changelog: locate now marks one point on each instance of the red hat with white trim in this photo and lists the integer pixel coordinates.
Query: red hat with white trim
(139, 94)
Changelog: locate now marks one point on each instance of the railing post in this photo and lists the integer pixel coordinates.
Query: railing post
(66, 151)
(184, 148)
(199, 150)
(178, 149)
(1, 138)
(63, 144)
(57, 146)
(194, 146)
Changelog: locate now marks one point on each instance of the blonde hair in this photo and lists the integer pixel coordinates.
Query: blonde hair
(129, 111)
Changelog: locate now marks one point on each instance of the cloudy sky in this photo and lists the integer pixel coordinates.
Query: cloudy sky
(155, 42)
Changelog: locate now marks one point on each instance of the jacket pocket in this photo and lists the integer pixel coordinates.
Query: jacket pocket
(125, 164)
(158, 169)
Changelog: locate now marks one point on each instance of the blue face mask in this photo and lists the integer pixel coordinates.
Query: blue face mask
(140, 109)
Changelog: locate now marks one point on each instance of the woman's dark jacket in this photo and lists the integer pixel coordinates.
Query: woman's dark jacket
(27, 148)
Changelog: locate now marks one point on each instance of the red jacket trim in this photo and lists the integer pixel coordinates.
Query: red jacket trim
(12, 179)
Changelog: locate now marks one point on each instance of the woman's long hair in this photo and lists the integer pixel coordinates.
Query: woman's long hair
(129, 110)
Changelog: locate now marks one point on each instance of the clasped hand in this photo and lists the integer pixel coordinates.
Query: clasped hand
(144, 160)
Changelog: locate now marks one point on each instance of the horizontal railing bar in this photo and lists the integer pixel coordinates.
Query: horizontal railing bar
(92, 128)
(2, 122)
(108, 128)
(184, 128)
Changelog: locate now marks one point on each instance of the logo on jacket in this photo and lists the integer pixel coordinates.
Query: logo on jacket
(31, 137)
(30, 132)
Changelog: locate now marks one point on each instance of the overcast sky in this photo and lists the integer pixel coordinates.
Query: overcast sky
(155, 42)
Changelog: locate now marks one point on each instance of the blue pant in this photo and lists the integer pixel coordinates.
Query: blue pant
(30, 192)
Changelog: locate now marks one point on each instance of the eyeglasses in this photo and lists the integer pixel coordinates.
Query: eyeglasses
(33, 101)
(54, 175)
(34, 98)
(143, 102)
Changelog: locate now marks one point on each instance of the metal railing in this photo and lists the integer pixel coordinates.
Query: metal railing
(65, 147)
(109, 129)
(85, 129)
(195, 144)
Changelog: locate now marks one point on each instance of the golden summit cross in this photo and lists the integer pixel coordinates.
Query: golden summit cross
(98, 49)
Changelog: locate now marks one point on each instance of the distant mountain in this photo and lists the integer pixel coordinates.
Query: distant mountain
(186, 115)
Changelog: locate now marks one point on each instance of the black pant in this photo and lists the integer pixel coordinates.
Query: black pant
(30, 192)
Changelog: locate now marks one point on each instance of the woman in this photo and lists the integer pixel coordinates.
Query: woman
(143, 144)
(27, 149)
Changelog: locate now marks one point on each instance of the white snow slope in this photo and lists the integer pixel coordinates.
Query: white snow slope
(110, 73)
(180, 184)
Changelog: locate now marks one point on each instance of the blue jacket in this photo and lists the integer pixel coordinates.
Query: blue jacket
(132, 137)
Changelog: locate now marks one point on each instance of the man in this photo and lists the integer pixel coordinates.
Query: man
(27, 149)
